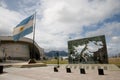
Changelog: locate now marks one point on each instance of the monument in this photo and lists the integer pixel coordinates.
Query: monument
(91, 50)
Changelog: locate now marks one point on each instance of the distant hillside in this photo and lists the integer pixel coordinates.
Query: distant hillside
(53, 53)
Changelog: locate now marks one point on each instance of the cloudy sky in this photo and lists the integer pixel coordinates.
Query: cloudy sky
(59, 21)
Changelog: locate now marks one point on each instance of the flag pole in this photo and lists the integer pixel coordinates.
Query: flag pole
(32, 60)
(34, 34)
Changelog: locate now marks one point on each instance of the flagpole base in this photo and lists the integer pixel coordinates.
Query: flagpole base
(31, 61)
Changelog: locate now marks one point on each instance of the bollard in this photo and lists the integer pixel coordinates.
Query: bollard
(82, 71)
(68, 70)
(1, 69)
(100, 72)
(55, 69)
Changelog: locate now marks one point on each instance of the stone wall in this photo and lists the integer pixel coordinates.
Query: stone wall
(14, 50)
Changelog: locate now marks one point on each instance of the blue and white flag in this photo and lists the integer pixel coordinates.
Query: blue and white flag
(23, 28)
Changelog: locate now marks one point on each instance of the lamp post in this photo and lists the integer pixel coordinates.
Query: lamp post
(4, 53)
(58, 59)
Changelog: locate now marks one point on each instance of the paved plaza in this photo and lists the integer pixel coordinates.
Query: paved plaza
(47, 73)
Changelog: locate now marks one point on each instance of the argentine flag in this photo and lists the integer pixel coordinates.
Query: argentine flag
(23, 28)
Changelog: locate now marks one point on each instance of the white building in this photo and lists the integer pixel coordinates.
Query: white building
(22, 49)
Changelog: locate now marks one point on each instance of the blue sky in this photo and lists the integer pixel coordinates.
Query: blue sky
(59, 20)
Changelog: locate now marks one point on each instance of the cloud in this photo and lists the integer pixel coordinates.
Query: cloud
(108, 29)
(57, 20)
(61, 18)
(2, 4)
(70, 16)
(111, 31)
(8, 19)
(114, 44)
(86, 13)
(115, 39)
(29, 7)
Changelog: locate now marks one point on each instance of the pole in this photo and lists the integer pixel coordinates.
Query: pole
(34, 35)
(58, 59)
(32, 60)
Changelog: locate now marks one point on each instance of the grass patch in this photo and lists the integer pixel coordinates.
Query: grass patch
(115, 61)
(54, 61)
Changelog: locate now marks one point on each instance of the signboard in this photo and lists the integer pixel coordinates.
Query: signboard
(88, 50)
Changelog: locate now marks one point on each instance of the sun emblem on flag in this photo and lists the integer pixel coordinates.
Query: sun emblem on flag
(22, 28)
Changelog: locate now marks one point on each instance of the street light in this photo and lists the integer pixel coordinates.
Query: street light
(4, 53)
(58, 59)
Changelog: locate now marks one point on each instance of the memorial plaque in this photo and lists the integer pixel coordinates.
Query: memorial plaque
(100, 72)
(1, 69)
(68, 70)
(82, 71)
(75, 66)
(55, 69)
(99, 67)
(93, 67)
(80, 66)
(105, 67)
(87, 67)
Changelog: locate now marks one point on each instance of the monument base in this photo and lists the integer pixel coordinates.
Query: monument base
(31, 61)
(94, 66)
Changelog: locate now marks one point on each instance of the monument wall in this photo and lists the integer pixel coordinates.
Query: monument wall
(88, 50)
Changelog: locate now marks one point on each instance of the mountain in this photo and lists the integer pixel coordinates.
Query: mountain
(54, 53)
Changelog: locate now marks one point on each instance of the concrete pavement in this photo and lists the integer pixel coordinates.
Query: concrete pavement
(47, 73)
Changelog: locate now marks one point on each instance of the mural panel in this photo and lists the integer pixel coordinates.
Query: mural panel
(88, 50)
